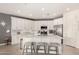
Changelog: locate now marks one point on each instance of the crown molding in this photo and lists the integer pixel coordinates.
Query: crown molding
(47, 19)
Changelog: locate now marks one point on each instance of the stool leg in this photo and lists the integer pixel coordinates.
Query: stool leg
(31, 49)
(45, 49)
(57, 50)
(23, 50)
(34, 48)
(26, 50)
(48, 49)
(37, 50)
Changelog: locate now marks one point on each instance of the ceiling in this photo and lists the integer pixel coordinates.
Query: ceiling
(38, 10)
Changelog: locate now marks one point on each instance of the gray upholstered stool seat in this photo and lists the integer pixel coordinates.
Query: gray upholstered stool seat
(41, 46)
(53, 47)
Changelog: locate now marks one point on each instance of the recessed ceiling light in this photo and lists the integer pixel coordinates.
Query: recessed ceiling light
(48, 14)
(30, 14)
(67, 9)
(7, 31)
(43, 15)
(42, 9)
(3, 23)
(18, 11)
(25, 3)
(54, 14)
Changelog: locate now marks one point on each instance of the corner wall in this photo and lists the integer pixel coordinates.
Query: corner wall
(3, 29)
(71, 28)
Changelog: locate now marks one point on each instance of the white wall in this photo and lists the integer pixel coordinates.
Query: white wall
(71, 28)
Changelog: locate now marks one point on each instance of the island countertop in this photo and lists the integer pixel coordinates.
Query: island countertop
(42, 38)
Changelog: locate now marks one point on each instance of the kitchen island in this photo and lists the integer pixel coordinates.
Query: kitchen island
(41, 38)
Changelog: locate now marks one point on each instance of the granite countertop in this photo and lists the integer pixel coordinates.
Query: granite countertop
(41, 36)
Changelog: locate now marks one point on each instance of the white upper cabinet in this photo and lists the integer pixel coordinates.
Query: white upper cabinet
(58, 21)
(21, 24)
(38, 24)
(28, 25)
(49, 23)
(17, 23)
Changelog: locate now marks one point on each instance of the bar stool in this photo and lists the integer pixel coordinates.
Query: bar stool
(41, 46)
(55, 46)
(27, 46)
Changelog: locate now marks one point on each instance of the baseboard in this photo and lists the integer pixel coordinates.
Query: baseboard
(70, 46)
